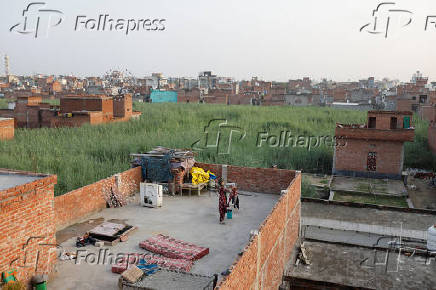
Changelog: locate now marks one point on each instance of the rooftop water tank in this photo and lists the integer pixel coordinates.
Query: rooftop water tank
(431, 238)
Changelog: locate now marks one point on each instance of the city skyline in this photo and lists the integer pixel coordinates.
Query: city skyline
(289, 40)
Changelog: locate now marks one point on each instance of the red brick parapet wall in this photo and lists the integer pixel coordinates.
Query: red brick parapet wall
(266, 180)
(77, 204)
(397, 135)
(263, 261)
(27, 226)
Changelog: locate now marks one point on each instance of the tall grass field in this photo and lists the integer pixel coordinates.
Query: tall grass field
(80, 156)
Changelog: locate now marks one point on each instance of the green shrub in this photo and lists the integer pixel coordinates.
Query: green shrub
(80, 156)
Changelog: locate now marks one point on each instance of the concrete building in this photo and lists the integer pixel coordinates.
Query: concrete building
(302, 99)
(207, 80)
(375, 149)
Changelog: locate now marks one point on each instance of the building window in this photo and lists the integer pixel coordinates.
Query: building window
(393, 123)
(423, 99)
(371, 163)
(372, 122)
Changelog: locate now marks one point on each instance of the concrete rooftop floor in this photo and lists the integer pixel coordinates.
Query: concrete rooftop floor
(8, 180)
(368, 216)
(389, 187)
(193, 219)
(343, 219)
(362, 267)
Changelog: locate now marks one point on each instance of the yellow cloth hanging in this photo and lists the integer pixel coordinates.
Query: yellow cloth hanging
(199, 175)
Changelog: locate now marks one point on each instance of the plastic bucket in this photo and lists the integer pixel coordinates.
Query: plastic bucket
(229, 214)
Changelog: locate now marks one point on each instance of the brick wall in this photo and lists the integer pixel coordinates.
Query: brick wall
(400, 135)
(266, 180)
(75, 121)
(7, 129)
(263, 261)
(405, 104)
(238, 99)
(46, 117)
(353, 157)
(123, 106)
(6, 113)
(215, 100)
(71, 207)
(32, 100)
(27, 227)
(32, 117)
(183, 96)
(383, 120)
(428, 112)
(88, 103)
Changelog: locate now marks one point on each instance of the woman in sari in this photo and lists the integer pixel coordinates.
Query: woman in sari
(222, 201)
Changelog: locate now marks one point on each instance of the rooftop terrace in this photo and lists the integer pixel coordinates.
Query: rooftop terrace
(340, 265)
(405, 222)
(193, 219)
(9, 179)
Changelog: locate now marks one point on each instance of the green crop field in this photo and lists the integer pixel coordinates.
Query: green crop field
(80, 156)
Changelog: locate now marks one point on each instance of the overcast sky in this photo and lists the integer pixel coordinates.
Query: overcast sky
(275, 40)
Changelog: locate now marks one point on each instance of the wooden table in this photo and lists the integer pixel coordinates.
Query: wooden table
(191, 187)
